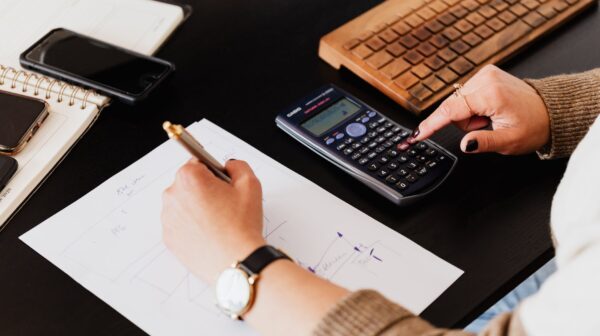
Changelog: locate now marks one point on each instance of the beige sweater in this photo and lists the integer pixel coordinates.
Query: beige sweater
(573, 102)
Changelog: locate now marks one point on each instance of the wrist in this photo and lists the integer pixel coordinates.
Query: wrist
(238, 250)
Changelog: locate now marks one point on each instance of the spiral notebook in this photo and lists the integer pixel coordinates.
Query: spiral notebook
(139, 25)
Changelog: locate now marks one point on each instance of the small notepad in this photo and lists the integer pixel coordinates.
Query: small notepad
(140, 25)
(110, 242)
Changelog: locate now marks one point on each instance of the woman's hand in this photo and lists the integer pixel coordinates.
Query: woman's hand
(518, 115)
(207, 223)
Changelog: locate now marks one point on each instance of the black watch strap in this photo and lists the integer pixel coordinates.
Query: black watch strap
(261, 258)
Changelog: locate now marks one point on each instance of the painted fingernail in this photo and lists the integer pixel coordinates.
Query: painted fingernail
(472, 146)
(403, 146)
(415, 133)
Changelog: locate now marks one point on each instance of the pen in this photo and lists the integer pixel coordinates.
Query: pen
(177, 132)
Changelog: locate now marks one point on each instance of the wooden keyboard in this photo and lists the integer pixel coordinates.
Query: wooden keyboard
(414, 50)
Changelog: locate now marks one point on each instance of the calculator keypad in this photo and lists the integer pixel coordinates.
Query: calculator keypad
(379, 147)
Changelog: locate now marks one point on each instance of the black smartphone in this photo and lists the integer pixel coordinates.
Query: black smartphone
(8, 168)
(90, 63)
(20, 119)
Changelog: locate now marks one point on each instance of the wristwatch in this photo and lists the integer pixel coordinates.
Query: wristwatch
(235, 287)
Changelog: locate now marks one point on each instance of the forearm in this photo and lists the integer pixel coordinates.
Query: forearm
(573, 103)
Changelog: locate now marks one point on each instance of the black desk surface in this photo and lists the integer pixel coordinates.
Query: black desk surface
(238, 65)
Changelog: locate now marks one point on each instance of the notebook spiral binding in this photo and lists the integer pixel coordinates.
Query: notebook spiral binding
(31, 78)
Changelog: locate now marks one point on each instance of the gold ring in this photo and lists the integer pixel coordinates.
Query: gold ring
(457, 93)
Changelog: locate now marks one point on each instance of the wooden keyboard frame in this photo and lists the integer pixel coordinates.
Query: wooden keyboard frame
(331, 49)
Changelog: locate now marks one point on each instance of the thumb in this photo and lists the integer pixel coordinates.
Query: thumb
(487, 141)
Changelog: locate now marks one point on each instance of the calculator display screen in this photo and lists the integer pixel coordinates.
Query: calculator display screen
(330, 117)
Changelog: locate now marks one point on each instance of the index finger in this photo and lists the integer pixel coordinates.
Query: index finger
(454, 108)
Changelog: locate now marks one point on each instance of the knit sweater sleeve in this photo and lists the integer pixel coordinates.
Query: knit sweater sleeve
(573, 103)
(368, 313)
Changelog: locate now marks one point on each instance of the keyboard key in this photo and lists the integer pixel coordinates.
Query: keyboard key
(519, 10)
(438, 6)
(534, 19)
(471, 5)
(401, 28)
(409, 41)
(484, 31)
(459, 11)
(435, 62)
(426, 49)
(447, 75)
(375, 43)
(362, 51)
(391, 179)
(497, 42)
(433, 83)
(459, 47)
(413, 57)
(434, 26)
(547, 10)
(365, 35)
(496, 24)
(422, 33)
(420, 92)
(439, 41)
(472, 39)
(507, 17)
(464, 26)
(421, 70)
(531, 4)
(560, 6)
(351, 44)
(426, 13)
(414, 20)
(475, 19)
(396, 49)
(451, 34)
(379, 59)
(487, 12)
(447, 55)
(395, 68)
(380, 27)
(461, 66)
(447, 19)
(499, 5)
(388, 36)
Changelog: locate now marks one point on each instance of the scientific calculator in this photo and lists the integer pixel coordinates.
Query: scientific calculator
(367, 145)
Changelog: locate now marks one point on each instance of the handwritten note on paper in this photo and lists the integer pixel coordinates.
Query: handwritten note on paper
(110, 242)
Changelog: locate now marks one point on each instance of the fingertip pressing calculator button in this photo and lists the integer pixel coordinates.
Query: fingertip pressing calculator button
(403, 146)
(383, 172)
(371, 114)
(363, 161)
(356, 130)
(401, 185)
(373, 167)
(391, 179)
(339, 136)
(411, 178)
(329, 141)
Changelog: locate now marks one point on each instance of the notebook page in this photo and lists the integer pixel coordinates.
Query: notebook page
(110, 242)
(139, 25)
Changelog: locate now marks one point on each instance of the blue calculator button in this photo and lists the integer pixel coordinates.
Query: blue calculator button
(330, 141)
(371, 114)
(365, 120)
(356, 130)
(339, 136)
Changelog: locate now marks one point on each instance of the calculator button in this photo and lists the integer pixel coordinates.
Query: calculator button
(383, 172)
(341, 146)
(373, 167)
(356, 156)
(391, 179)
(371, 114)
(372, 155)
(380, 149)
(388, 144)
(411, 178)
(365, 120)
(412, 152)
(363, 161)
(431, 164)
(402, 172)
(401, 185)
(412, 165)
(422, 171)
(356, 130)
(381, 129)
(402, 159)
(372, 134)
(380, 139)
(329, 141)
(356, 145)
(421, 158)
(372, 145)
(405, 133)
(431, 152)
(365, 140)
(339, 136)
(388, 134)
(397, 138)
(441, 158)
(383, 160)
(392, 166)
(363, 150)
(348, 151)
(348, 141)
(396, 129)
(392, 153)
(388, 124)
(381, 120)
(421, 146)
(373, 125)
(403, 146)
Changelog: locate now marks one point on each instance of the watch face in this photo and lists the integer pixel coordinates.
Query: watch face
(233, 291)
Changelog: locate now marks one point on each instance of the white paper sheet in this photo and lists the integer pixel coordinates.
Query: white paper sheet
(110, 242)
